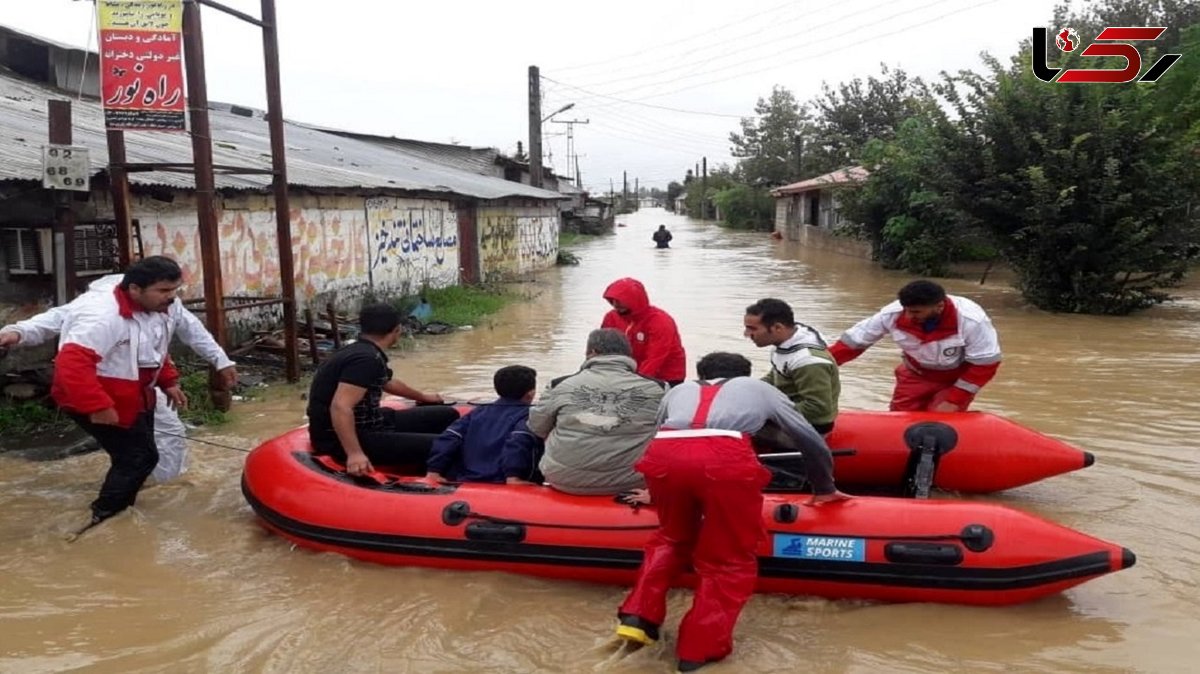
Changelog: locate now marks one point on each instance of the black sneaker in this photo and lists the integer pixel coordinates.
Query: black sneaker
(636, 630)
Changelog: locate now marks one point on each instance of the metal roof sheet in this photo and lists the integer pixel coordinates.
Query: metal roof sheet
(314, 158)
(845, 176)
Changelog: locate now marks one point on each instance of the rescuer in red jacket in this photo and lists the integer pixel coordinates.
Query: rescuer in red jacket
(652, 333)
(950, 347)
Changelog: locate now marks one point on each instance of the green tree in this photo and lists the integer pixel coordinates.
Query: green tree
(905, 206)
(852, 114)
(702, 192)
(1086, 188)
(746, 207)
(768, 144)
(674, 189)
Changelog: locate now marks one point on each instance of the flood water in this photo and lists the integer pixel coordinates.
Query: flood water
(189, 582)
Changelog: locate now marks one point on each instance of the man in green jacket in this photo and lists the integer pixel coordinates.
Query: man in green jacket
(801, 366)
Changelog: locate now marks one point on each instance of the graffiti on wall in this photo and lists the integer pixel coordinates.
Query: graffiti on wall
(414, 242)
(330, 249)
(498, 243)
(328, 244)
(517, 240)
(537, 240)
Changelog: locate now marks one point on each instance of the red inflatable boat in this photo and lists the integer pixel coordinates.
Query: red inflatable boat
(970, 453)
(868, 548)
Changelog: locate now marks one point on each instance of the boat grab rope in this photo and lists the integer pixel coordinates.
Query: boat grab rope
(557, 525)
(458, 511)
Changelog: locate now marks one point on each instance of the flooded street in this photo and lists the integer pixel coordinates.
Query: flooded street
(190, 583)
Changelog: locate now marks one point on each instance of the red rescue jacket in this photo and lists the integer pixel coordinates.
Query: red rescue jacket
(652, 333)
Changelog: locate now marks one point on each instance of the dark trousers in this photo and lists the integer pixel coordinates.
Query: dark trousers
(133, 455)
(405, 437)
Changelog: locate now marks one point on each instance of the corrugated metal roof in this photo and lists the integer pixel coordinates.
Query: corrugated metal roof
(483, 160)
(480, 160)
(314, 158)
(846, 176)
(40, 40)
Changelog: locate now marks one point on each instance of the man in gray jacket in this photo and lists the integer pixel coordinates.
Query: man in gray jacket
(598, 421)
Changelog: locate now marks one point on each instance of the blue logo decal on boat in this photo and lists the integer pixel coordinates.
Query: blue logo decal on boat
(824, 548)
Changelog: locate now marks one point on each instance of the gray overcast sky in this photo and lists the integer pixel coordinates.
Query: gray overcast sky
(455, 70)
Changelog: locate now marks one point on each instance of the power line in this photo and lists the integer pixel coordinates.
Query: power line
(662, 130)
(755, 43)
(645, 105)
(827, 52)
(607, 62)
(841, 34)
(658, 141)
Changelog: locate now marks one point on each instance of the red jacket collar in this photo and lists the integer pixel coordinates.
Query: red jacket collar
(947, 324)
(126, 304)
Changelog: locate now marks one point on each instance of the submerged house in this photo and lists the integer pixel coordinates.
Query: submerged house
(808, 212)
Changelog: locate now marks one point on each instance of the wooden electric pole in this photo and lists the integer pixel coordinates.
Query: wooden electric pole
(64, 214)
(535, 127)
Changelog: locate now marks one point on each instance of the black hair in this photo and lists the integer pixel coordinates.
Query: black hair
(723, 365)
(378, 320)
(772, 311)
(150, 270)
(514, 381)
(921, 294)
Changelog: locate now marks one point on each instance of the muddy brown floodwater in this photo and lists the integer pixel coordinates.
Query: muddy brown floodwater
(189, 582)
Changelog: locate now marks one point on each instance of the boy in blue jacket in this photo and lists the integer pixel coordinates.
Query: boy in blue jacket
(492, 442)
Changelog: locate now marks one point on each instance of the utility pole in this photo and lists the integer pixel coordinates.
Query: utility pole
(279, 184)
(535, 127)
(572, 155)
(64, 214)
(799, 158)
(118, 184)
(203, 169)
(578, 178)
(624, 188)
(704, 189)
(206, 213)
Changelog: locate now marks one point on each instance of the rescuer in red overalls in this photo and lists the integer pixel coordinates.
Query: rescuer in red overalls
(950, 347)
(706, 484)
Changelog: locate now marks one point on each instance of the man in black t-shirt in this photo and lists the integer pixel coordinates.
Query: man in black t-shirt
(345, 419)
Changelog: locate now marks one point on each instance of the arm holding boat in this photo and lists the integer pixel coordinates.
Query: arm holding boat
(818, 460)
(398, 388)
(341, 411)
(447, 449)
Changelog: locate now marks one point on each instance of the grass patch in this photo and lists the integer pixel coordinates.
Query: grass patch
(465, 305)
(575, 238)
(29, 417)
(200, 410)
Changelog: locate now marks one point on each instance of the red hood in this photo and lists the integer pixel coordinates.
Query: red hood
(630, 292)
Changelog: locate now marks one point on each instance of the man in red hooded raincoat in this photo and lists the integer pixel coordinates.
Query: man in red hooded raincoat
(652, 333)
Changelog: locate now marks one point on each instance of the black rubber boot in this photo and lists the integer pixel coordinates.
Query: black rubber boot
(636, 630)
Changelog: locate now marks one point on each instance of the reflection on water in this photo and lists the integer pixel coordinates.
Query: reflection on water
(189, 584)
